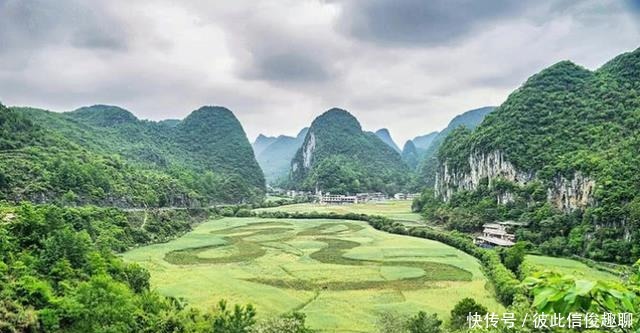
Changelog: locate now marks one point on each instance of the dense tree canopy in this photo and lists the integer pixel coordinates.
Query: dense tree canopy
(563, 120)
(344, 159)
(104, 155)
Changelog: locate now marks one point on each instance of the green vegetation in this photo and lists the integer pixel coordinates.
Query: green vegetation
(410, 155)
(338, 157)
(385, 136)
(340, 273)
(428, 159)
(555, 293)
(567, 266)
(462, 310)
(59, 273)
(563, 121)
(399, 210)
(104, 155)
(391, 322)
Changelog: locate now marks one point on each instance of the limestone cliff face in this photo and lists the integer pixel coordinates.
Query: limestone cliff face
(570, 194)
(565, 194)
(307, 154)
(307, 151)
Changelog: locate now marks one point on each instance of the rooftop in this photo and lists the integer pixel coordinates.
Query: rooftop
(496, 241)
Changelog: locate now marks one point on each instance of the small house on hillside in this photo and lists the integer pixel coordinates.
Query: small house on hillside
(497, 234)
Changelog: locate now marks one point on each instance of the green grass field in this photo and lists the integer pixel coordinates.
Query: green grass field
(340, 273)
(570, 266)
(394, 209)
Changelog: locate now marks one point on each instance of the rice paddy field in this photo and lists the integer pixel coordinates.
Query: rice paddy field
(394, 209)
(341, 274)
(571, 267)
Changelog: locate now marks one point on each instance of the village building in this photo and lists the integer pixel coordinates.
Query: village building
(369, 197)
(497, 234)
(406, 196)
(337, 199)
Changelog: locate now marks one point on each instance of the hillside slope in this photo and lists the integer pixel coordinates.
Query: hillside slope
(426, 173)
(275, 158)
(262, 142)
(566, 142)
(385, 136)
(414, 150)
(206, 155)
(337, 156)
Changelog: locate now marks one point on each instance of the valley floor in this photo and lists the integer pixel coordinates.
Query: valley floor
(570, 267)
(399, 210)
(341, 274)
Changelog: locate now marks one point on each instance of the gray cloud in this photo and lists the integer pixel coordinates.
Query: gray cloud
(409, 66)
(290, 67)
(37, 23)
(410, 22)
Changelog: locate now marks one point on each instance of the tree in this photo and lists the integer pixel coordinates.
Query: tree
(102, 305)
(462, 310)
(424, 323)
(514, 256)
(391, 322)
(558, 293)
(290, 323)
(237, 321)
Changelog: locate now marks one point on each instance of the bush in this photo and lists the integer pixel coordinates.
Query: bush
(462, 310)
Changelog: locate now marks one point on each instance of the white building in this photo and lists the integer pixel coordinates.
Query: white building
(496, 234)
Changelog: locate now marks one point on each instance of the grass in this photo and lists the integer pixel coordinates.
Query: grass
(395, 209)
(340, 273)
(570, 266)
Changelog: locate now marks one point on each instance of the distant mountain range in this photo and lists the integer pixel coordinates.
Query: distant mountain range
(385, 136)
(261, 143)
(274, 154)
(414, 150)
(428, 161)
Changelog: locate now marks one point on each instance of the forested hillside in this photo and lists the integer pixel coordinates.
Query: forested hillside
(426, 171)
(105, 155)
(423, 142)
(337, 156)
(410, 155)
(563, 154)
(414, 150)
(275, 158)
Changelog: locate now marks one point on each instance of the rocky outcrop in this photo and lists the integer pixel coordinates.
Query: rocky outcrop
(307, 151)
(565, 194)
(571, 194)
(491, 166)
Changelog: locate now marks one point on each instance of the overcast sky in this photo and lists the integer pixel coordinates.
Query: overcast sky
(407, 65)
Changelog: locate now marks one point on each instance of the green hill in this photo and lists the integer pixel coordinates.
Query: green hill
(426, 171)
(275, 158)
(410, 154)
(338, 157)
(122, 161)
(562, 153)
